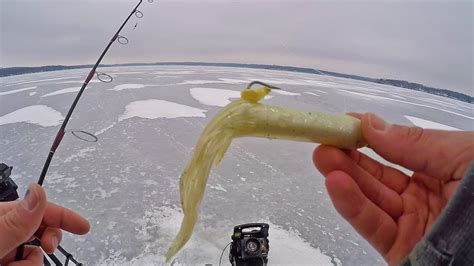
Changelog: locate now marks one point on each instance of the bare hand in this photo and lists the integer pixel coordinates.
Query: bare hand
(32, 217)
(391, 210)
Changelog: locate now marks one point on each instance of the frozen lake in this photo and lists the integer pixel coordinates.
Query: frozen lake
(148, 121)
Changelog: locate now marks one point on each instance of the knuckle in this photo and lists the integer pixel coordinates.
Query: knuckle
(413, 134)
(15, 226)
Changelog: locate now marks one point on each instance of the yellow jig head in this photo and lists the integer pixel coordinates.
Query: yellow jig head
(255, 95)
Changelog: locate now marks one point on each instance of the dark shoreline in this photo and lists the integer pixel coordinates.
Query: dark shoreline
(12, 71)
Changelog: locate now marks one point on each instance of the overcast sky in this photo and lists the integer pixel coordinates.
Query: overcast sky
(429, 42)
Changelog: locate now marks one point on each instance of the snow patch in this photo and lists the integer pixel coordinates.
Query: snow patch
(312, 93)
(127, 87)
(428, 124)
(105, 129)
(152, 109)
(287, 93)
(63, 91)
(219, 81)
(41, 115)
(18, 90)
(197, 82)
(126, 73)
(372, 154)
(214, 97)
(218, 187)
(32, 93)
(78, 81)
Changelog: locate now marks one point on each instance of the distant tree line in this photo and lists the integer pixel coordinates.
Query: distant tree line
(420, 87)
(10, 71)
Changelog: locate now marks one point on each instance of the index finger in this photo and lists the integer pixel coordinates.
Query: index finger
(63, 218)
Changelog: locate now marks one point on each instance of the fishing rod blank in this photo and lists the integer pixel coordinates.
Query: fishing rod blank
(62, 130)
(101, 76)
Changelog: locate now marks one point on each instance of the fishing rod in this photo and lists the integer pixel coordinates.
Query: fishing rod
(62, 130)
(101, 76)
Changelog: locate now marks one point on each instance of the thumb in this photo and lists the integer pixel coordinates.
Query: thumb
(21, 222)
(441, 154)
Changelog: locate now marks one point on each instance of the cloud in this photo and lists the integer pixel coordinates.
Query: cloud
(417, 41)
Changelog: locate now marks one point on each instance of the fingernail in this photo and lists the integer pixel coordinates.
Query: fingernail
(54, 242)
(30, 201)
(377, 123)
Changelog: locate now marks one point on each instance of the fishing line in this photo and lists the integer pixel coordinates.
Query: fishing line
(251, 84)
(220, 259)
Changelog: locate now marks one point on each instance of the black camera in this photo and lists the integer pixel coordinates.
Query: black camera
(7, 186)
(250, 245)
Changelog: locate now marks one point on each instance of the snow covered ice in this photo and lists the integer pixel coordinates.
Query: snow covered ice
(36, 114)
(148, 121)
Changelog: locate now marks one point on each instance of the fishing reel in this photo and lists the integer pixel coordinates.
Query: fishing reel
(8, 192)
(250, 245)
(7, 186)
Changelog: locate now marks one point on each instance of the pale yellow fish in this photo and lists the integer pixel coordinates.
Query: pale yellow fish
(247, 117)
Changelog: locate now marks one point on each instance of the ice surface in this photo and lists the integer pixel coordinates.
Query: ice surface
(127, 87)
(420, 122)
(218, 187)
(42, 80)
(82, 153)
(234, 81)
(214, 97)
(78, 81)
(105, 129)
(63, 91)
(218, 81)
(197, 82)
(367, 96)
(280, 81)
(311, 93)
(41, 115)
(126, 72)
(127, 184)
(18, 90)
(153, 109)
(206, 244)
(174, 72)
